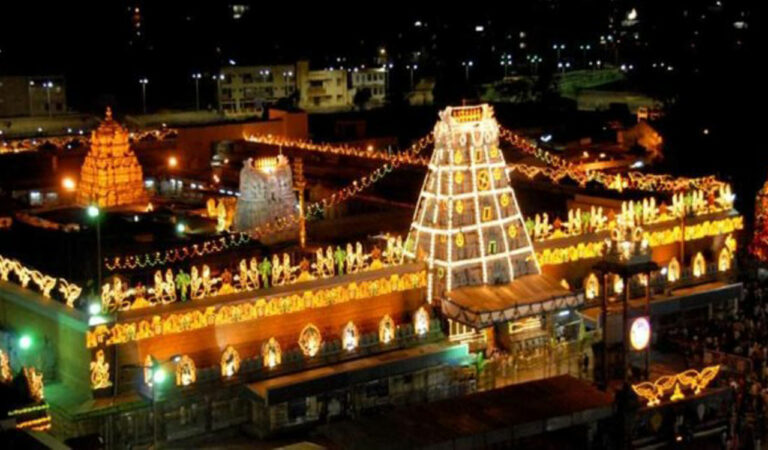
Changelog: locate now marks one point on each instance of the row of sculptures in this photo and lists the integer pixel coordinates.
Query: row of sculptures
(169, 287)
(222, 314)
(70, 292)
(640, 212)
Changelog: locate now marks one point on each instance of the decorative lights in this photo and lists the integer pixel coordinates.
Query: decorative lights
(230, 362)
(271, 354)
(186, 372)
(349, 336)
(694, 381)
(310, 340)
(421, 321)
(100, 372)
(640, 333)
(386, 330)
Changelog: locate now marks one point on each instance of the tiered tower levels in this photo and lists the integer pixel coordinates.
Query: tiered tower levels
(111, 174)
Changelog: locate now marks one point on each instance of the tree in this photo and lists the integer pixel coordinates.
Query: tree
(362, 97)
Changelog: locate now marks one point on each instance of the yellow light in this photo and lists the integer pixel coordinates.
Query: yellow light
(68, 184)
(172, 162)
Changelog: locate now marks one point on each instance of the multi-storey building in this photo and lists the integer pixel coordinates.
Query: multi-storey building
(321, 90)
(373, 79)
(32, 95)
(243, 89)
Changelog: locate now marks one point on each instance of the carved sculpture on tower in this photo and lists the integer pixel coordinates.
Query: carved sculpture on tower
(111, 174)
(266, 193)
(467, 225)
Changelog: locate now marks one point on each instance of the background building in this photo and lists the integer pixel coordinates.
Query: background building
(321, 90)
(32, 95)
(373, 79)
(244, 89)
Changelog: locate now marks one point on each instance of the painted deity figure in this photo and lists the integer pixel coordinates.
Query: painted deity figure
(169, 287)
(243, 278)
(253, 273)
(287, 269)
(183, 282)
(195, 283)
(100, 372)
(207, 281)
(340, 256)
(277, 271)
(265, 269)
(351, 261)
(329, 267)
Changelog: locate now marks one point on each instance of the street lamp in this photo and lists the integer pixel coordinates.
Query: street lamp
(93, 213)
(48, 85)
(506, 61)
(467, 65)
(219, 78)
(197, 77)
(584, 49)
(143, 82)
(558, 48)
(387, 67)
(563, 65)
(412, 67)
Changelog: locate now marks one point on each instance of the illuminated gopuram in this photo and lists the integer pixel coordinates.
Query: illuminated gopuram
(467, 223)
(266, 193)
(111, 174)
(468, 227)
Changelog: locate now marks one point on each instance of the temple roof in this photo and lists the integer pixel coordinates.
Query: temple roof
(481, 306)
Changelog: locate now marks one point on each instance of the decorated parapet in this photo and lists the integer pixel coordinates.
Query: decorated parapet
(250, 275)
(211, 316)
(45, 284)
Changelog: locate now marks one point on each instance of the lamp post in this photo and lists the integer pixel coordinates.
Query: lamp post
(558, 48)
(48, 85)
(584, 49)
(387, 67)
(467, 65)
(412, 68)
(506, 61)
(197, 77)
(143, 82)
(218, 79)
(94, 212)
(29, 89)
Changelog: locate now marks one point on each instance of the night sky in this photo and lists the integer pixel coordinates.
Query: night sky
(718, 86)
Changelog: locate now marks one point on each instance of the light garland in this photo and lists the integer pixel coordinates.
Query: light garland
(70, 292)
(589, 250)
(212, 316)
(12, 146)
(251, 276)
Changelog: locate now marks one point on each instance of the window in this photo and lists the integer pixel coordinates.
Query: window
(487, 214)
(492, 247)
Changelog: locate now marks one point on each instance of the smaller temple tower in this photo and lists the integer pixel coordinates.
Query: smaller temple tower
(111, 174)
(266, 193)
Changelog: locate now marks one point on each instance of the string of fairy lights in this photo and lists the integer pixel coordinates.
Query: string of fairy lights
(77, 138)
(556, 169)
(312, 210)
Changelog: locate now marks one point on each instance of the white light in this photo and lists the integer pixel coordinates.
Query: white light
(563, 313)
(546, 137)
(632, 15)
(637, 165)
(479, 28)
(417, 23)
(232, 62)
(94, 308)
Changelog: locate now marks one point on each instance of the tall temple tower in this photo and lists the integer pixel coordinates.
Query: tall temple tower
(111, 174)
(467, 225)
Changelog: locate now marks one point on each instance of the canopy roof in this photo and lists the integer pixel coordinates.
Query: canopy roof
(482, 306)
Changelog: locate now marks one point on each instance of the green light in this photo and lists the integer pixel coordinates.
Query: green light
(159, 376)
(94, 308)
(25, 341)
(180, 227)
(93, 211)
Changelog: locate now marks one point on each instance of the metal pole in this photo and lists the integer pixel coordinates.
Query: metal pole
(98, 253)
(144, 97)
(50, 111)
(197, 94)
